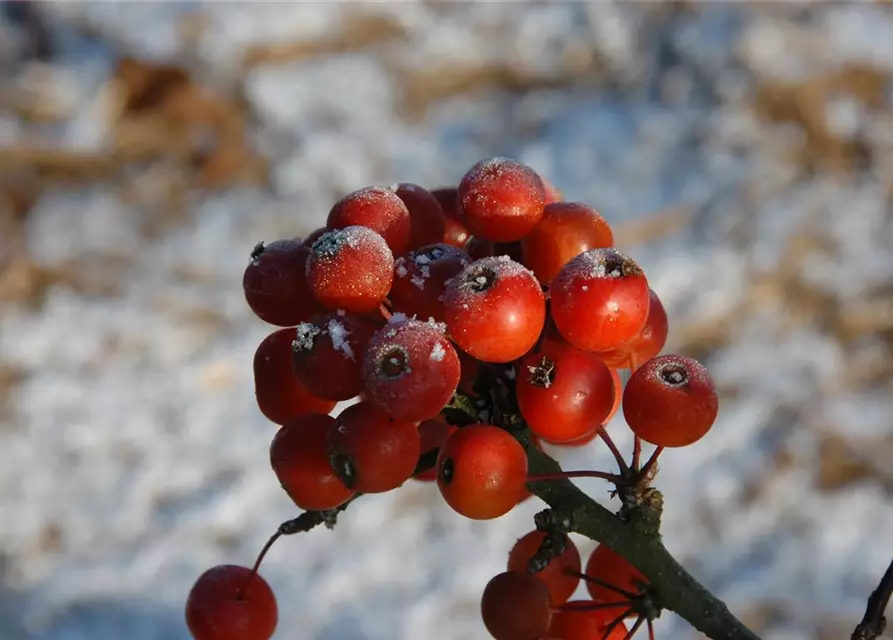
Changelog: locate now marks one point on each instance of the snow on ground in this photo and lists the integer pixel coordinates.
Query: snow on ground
(132, 456)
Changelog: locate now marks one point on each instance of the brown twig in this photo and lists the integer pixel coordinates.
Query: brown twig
(874, 622)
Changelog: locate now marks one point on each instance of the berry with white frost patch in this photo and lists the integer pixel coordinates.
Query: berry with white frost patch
(326, 354)
(411, 369)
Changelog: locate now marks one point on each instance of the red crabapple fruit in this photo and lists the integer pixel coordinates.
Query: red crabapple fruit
(607, 566)
(379, 209)
(559, 576)
(411, 369)
(566, 230)
(647, 344)
(425, 215)
(280, 395)
(501, 199)
(420, 279)
(371, 451)
(494, 309)
(327, 354)
(482, 471)
(577, 622)
(227, 602)
(299, 455)
(275, 283)
(599, 300)
(564, 393)
(670, 401)
(350, 269)
(515, 606)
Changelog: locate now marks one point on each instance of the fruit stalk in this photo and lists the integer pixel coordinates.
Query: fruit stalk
(675, 588)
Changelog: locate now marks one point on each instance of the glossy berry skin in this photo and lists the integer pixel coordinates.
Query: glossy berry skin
(220, 607)
(371, 451)
(670, 401)
(411, 369)
(501, 199)
(482, 471)
(564, 393)
(454, 231)
(275, 284)
(599, 300)
(647, 343)
(494, 309)
(427, 222)
(280, 395)
(561, 586)
(566, 230)
(350, 269)
(515, 606)
(582, 441)
(576, 623)
(433, 433)
(299, 456)
(618, 395)
(420, 279)
(552, 192)
(607, 566)
(379, 209)
(327, 354)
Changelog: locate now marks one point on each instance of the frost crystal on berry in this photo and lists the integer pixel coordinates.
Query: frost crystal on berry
(339, 334)
(305, 335)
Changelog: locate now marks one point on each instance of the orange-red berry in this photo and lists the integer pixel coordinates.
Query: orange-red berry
(224, 604)
(482, 471)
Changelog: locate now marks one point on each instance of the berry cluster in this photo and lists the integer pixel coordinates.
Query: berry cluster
(471, 324)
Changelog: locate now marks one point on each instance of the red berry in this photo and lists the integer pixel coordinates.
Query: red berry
(564, 393)
(455, 233)
(561, 585)
(411, 369)
(327, 354)
(552, 193)
(425, 214)
(515, 606)
(371, 451)
(280, 395)
(225, 605)
(599, 300)
(618, 395)
(583, 440)
(432, 434)
(482, 471)
(314, 235)
(501, 199)
(420, 278)
(577, 623)
(377, 208)
(350, 269)
(494, 309)
(610, 567)
(299, 456)
(670, 401)
(275, 283)
(566, 230)
(647, 344)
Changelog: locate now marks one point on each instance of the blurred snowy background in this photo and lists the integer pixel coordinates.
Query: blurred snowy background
(745, 155)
